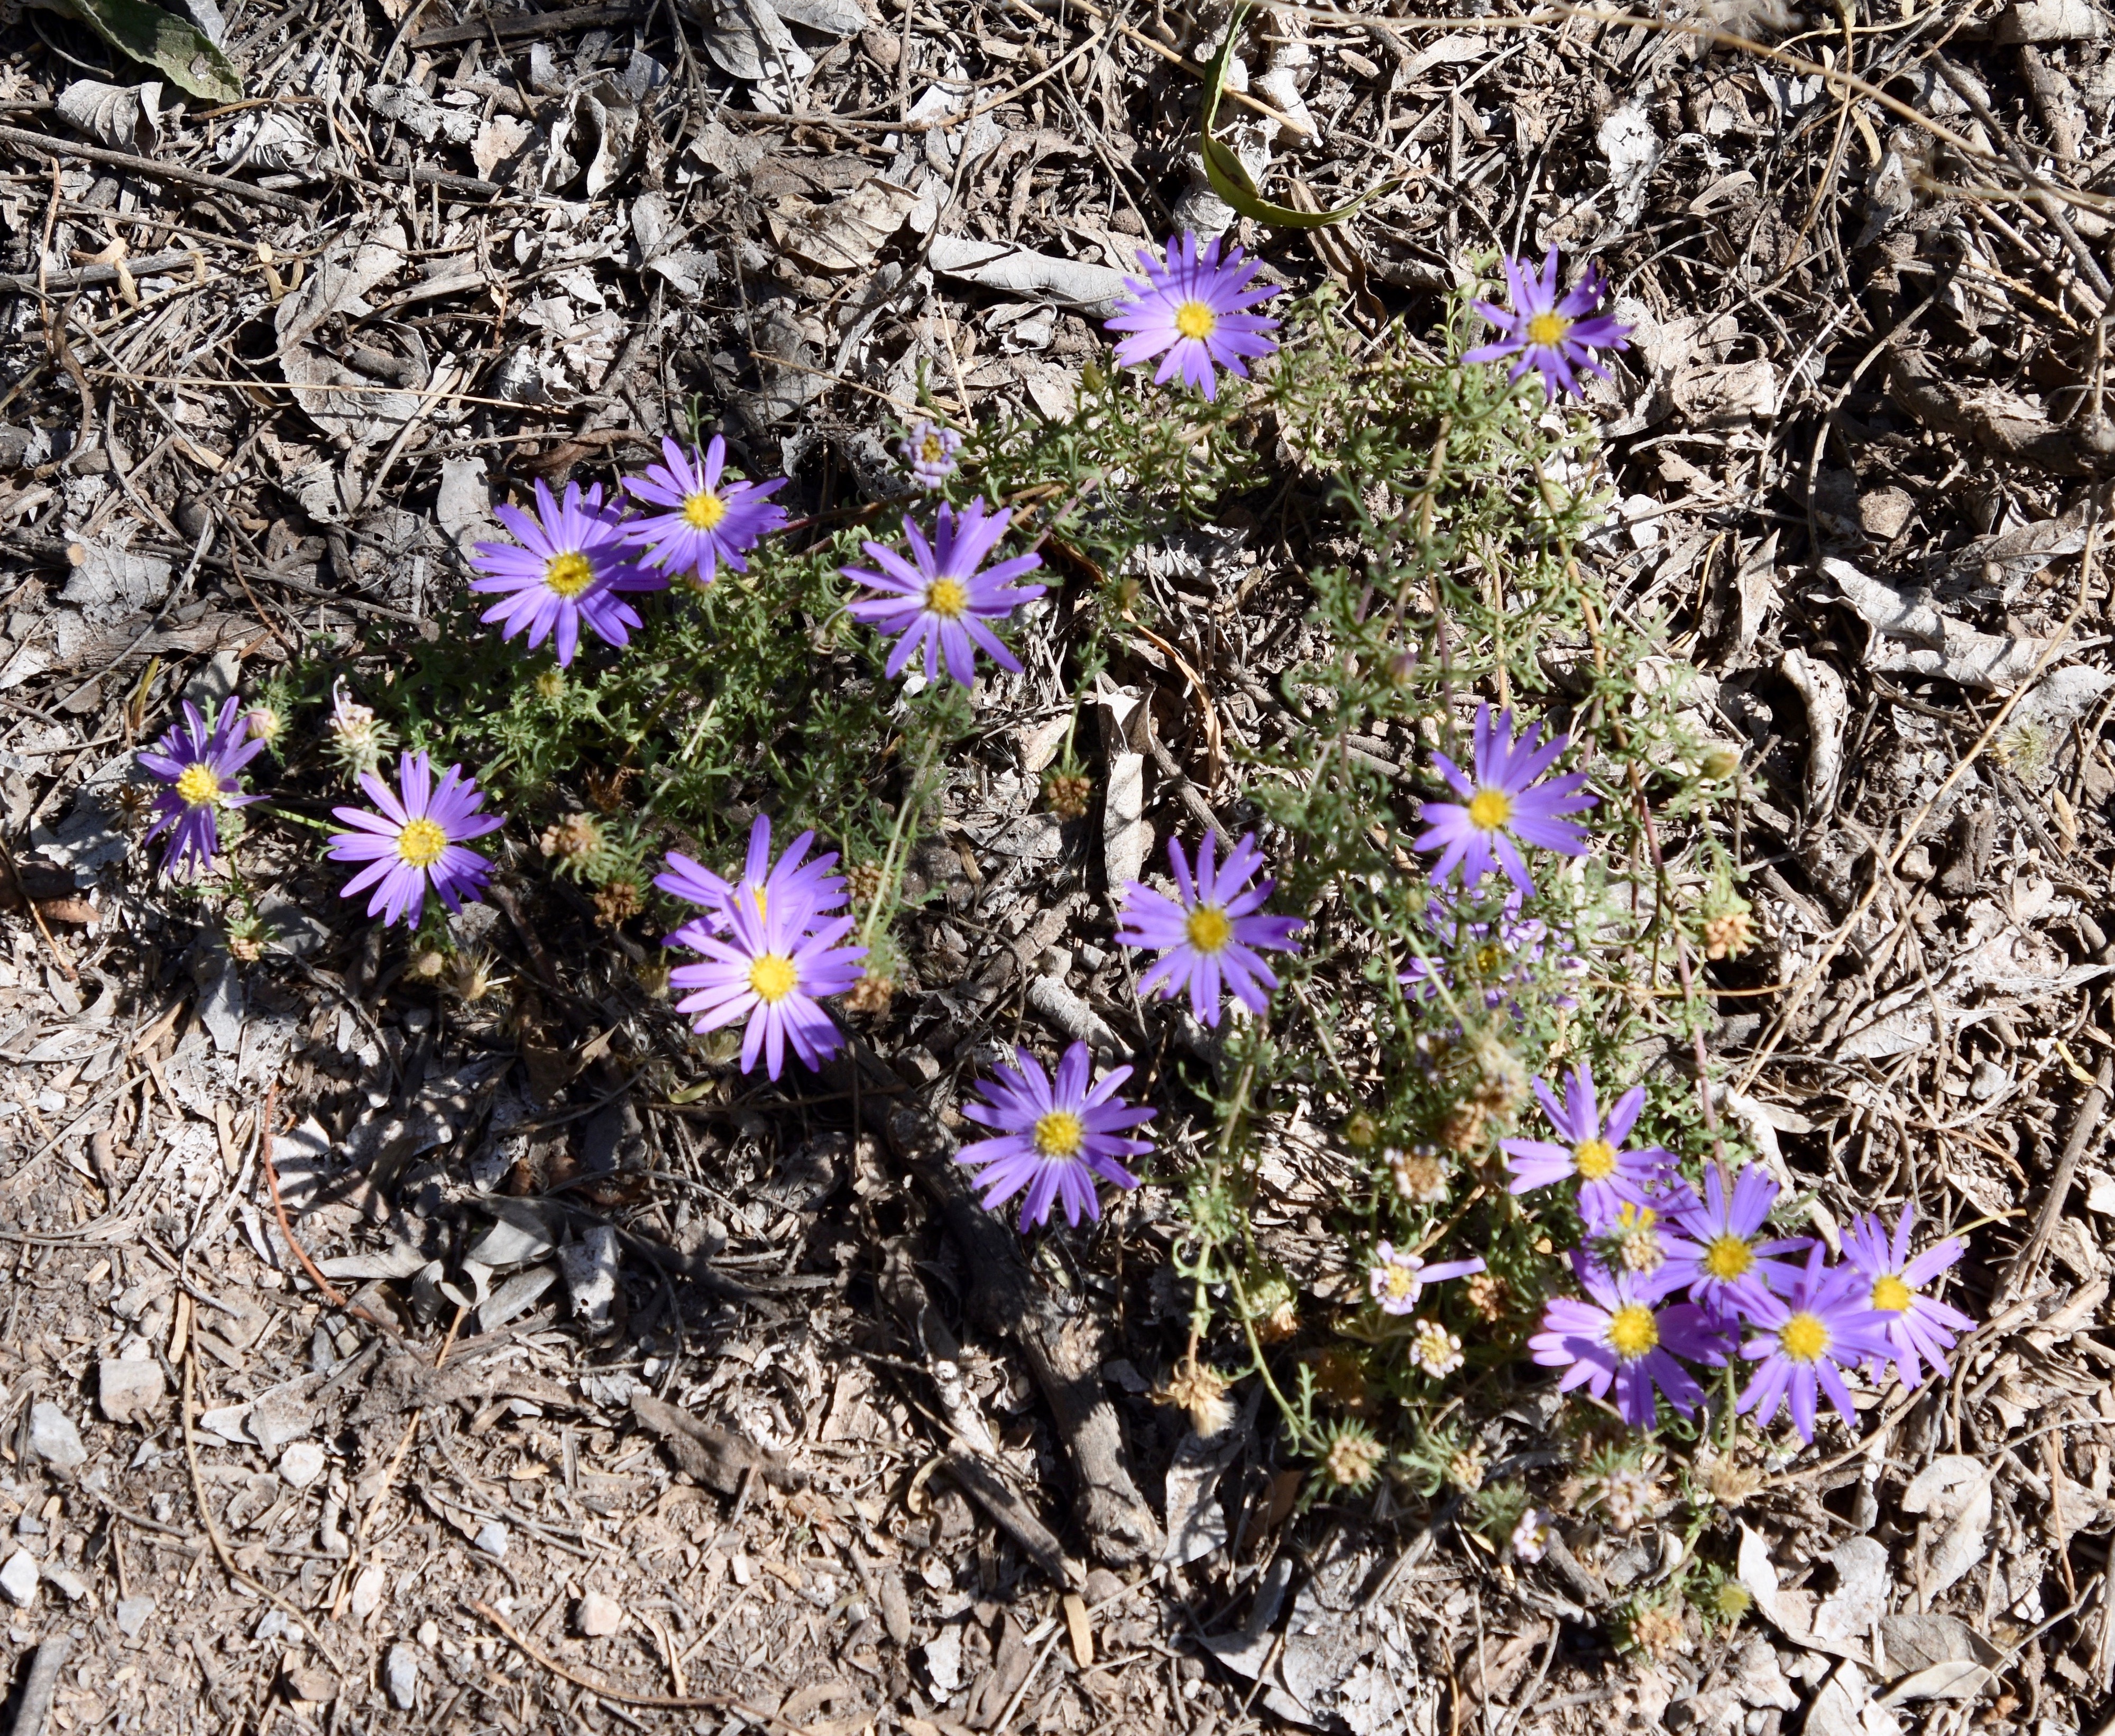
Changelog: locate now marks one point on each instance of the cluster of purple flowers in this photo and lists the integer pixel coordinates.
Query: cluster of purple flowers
(1776, 1301)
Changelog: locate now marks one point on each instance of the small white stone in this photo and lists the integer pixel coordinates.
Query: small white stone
(596, 1615)
(492, 1537)
(301, 1463)
(430, 1634)
(367, 1591)
(129, 1391)
(54, 1438)
(402, 1671)
(18, 1579)
(132, 1613)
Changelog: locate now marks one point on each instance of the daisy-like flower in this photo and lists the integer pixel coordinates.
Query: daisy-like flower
(772, 971)
(1822, 1325)
(1213, 931)
(1193, 309)
(1422, 1176)
(1921, 1329)
(1503, 806)
(929, 450)
(1435, 1350)
(1639, 1239)
(572, 568)
(1555, 335)
(1397, 1279)
(1056, 1136)
(1530, 1537)
(416, 842)
(1592, 1152)
(1733, 1255)
(197, 767)
(1493, 959)
(938, 599)
(1620, 1334)
(705, 523)
(789, 884)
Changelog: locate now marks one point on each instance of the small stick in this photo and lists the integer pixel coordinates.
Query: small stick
(22, 138)
(331, 1291)
(42, 1685)
(621, 1696)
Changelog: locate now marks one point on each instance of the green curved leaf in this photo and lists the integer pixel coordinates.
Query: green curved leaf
(175, 47)
(1229, 176)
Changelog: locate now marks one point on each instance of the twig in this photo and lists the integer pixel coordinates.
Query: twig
(22, 138)
(624, 1697)
(1028, 1681)
(2084, 1126)
(43, 1683)
(335, 1297)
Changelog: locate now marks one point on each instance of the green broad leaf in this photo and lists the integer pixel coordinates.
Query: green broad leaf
(1229, 177)
(175, 47)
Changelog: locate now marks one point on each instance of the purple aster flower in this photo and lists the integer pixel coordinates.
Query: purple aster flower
(1640, 1239)
(772, 970)
(938, 598)
(1822, 1325)
(1502, 803)
(573, 564)
(1619, 1334)
(1397, 1279)
(708, 523)
(1530, 1537)
(1493, 959)
(1193, 308)
(788, 884)
(1608, 1175)
(198, 766)
(1733, 1255)
(1212, 935)
(1552, 333)
(1921, 1329)
(416, 841)
(1056, 1136)
(929, 450)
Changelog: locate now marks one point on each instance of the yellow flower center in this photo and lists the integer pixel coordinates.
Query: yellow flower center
(1398, 1281)
(1632, 1331)
(421, 842)
(568, 575)
(1803, 1338)
(1891, 1295)
(772, 977)
(933, 449)
(1594, 1159)
(1208, 929)
(1487, 959)
(1193, 319)
(946, 598)
(1548, 329)
(1489, 809)
(1059, 1134)
(1728, 1256)
(198, 786)
(703, 510)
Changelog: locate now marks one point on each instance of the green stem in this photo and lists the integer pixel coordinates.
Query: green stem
(914, 799)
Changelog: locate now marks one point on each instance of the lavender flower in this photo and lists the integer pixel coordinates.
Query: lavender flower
(1435, 1350)
(1621, 1336)
(1192, 309)
(571, 568)
(1822, 1325)
(929, 450)
(938, 599)
(773, 971)
(1921, 1329)
(1213, 934)
(1553, 334)
(1493, 959)
(1727, 1226)
(788, 884)
(1608, 1175)
(1397, 1279)
(416, 841)
(1504, 803)
(1530, 1537)
(707, 525)
(1056, 1136)
(198, 766)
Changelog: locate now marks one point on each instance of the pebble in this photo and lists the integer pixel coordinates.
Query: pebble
(66, 1580)
(402, 1672)
(367, 1591)
(492, 1537)
(18, 1579)
(54, 1438)
(301, 1464)
(131, 1613)
(597, 1615)
(272, 1625)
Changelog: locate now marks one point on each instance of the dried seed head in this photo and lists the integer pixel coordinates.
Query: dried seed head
(1487, 1294)
(426, 964)
(1279, 1324)
(473, 976)
(1201, 1390)
(1465, 1470)
(1627, 1496)
(1463, 1127)
(618, 902)
(1353, 1458)
(1728, 935)
(870, 995)
(1500, 1080)
(1656, 1630)
(1727, 1477)
(864, 881)
(134, 801)
(1067, 794)
(575, 837)
(249, 948)
(605, 789)
(1422, 1176)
